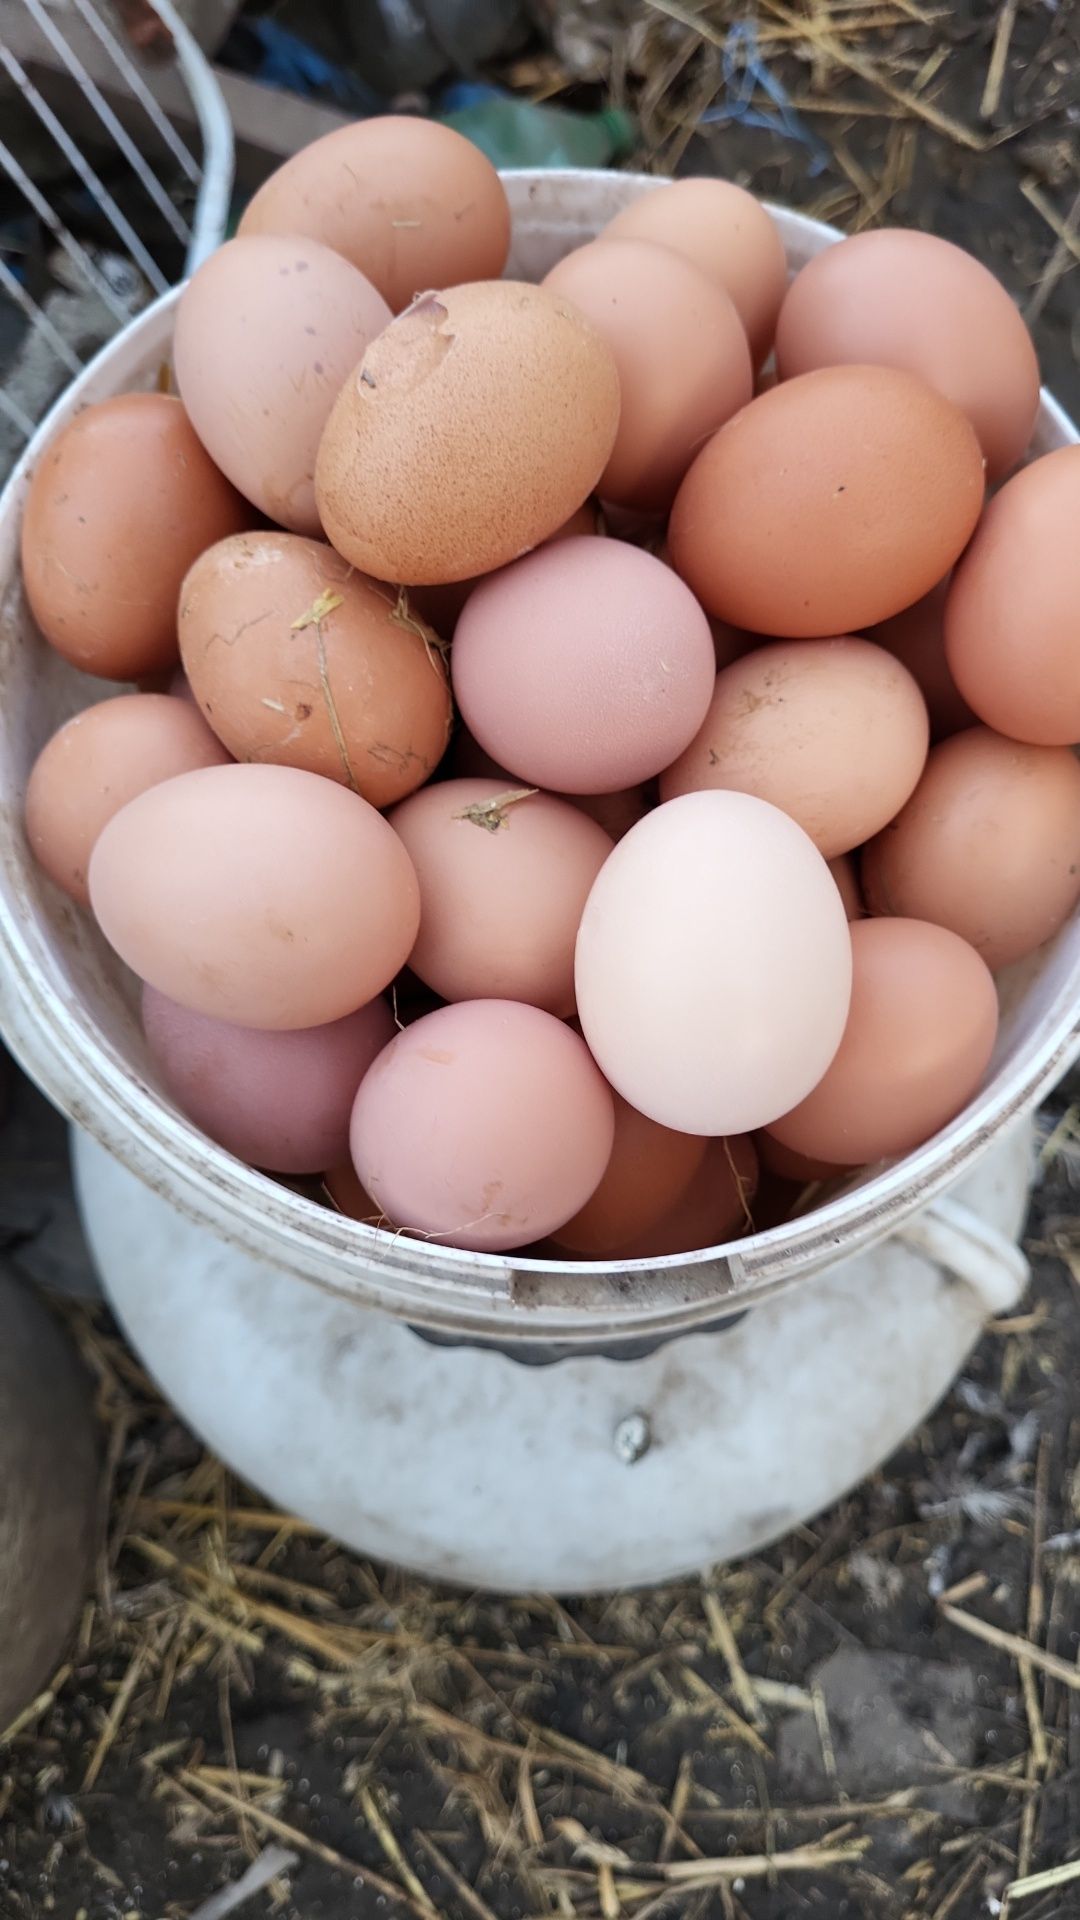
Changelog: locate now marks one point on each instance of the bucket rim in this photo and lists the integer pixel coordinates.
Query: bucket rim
(447, 1289)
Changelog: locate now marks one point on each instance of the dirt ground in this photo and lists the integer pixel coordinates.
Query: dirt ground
(880, 1717)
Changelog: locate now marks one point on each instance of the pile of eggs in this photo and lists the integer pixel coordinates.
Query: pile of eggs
(595, 742)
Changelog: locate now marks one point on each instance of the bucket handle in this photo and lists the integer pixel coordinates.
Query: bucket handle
(956, 1239)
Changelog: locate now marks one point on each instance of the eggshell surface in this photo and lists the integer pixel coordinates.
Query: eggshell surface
(262, 895)
(1012, 638)
(98, 761)
(485, 1125)
(266, 332)
(917, 1043)
(102, 564)
(503, 883)
(297, 659)
(648, 1174)
(715, 1207)
(281, 1101)
(899, 298)
(473, 428)
(725, 232)
(988, 845)
(834, 732)
(681, 353)
(714, 964)
(829, 503)
(916, 637)
(411, 203)
(584, 668)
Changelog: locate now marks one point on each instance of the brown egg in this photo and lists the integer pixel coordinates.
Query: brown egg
(725, 232)
(475, 425)
(120, 504)
(917, 637)
(788, 1165)
(828, 504)
(342, 1184)
(297, 659)
(988, 845)
(1011, 615)
(714, 1207)
(918, 1040)
(647, 1177)
(617, 812)
(843, 872)
(96, 763)
(411, 203)
(900, 299)
(833, 732)
(504, 876)
(680, 348)
(266, 332)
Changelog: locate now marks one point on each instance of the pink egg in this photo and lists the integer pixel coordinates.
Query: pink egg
(278, 1100)
(485, 1125)
(504, 876)
(586, 667)
(258, 894)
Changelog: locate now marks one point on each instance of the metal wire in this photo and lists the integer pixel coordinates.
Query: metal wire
(89, 270)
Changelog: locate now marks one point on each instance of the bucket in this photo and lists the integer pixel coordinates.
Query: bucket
(338, 1367)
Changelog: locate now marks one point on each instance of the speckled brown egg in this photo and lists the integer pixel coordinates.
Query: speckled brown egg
(473, 428)
(413, 204)
(120, 504)
(829, 503)
(297, 659)
(266, 331)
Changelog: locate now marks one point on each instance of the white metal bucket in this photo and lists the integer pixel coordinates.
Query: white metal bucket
(69, 1013)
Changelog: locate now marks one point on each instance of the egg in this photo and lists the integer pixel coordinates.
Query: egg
(917, 638)
(281, 1101)
(297, 659)
(785, 1164)
(725, 232)
(486, 1125)
(917, 1044)
(102, 563)
(715, 1207)
(441, 606)
(617, 812)
(585, 668)
(348, 1196)
(648, 1174)
(262, 895)
(713, 964)
(504, 875)
(988, 845)
(681, 353)
(896, 298)
(1011, 613)
(473, 428)
(828, 504)
(411, 203)
(98, 761)
(843, 872)
(266, 332)
(834, 732)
